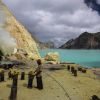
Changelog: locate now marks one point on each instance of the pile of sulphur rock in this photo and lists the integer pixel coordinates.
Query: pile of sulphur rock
(21, 54)
(52, 58)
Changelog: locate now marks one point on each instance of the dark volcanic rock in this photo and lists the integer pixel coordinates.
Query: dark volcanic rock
(84, 41)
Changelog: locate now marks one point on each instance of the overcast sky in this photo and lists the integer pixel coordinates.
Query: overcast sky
(57, 20)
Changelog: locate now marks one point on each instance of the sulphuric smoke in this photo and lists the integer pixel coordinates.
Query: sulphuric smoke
(7, 43)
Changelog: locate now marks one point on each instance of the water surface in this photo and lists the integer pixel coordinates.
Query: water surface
(86, 58)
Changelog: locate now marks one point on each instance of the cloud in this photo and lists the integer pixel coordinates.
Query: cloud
(98, 1)
(55, 20)
(94, 4)
(7, 43)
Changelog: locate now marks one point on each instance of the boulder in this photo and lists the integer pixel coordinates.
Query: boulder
(52, 57)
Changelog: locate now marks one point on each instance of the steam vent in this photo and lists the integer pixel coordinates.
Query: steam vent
(13, 36)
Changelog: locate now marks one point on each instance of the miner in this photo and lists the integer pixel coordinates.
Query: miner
(9, 74)
(15, 78)
(72, 70)
(68, 67)
(2, 75)
(38, 73)
(30, 79)
(22, 75)
(13, 93)
(75, 72)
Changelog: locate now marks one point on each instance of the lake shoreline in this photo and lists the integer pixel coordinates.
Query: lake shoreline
(96, 70)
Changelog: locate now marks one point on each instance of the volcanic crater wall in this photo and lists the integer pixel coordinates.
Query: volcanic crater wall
(14, 35)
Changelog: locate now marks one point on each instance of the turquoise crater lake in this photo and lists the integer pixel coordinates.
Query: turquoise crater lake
(86, 58)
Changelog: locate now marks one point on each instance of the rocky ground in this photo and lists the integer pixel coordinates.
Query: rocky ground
(59, 84)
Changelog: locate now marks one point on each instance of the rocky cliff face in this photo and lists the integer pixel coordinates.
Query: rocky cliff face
(84, 41)
(14, 35)
(45, 45)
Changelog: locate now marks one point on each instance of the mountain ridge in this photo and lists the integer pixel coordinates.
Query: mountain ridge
(85, 41)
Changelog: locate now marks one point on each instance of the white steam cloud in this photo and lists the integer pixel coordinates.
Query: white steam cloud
(98, 1)
(7, 43)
